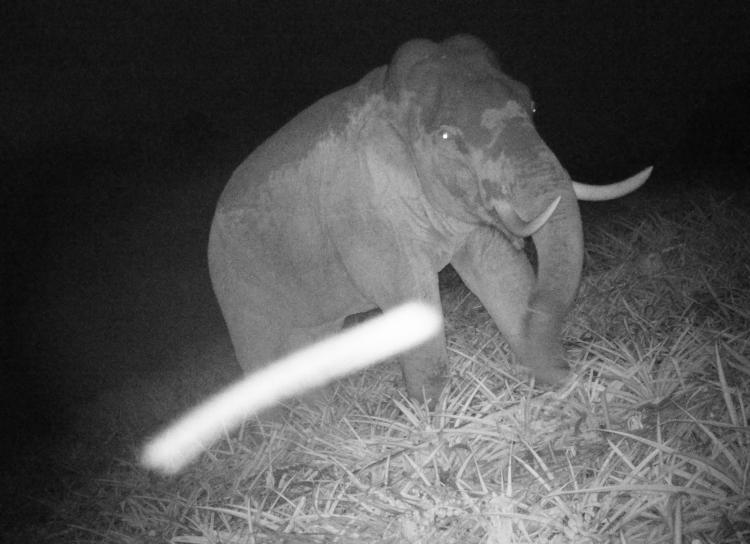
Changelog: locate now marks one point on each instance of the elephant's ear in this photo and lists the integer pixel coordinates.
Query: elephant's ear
(473, 52)
(401, 73)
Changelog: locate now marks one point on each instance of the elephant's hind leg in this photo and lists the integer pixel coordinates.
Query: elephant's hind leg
(261, 339)
(300, 337)
(257, 339)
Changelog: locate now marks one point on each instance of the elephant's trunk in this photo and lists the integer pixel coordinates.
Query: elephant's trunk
(559, 247)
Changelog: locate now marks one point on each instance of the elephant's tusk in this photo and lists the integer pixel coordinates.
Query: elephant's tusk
(516, 225)
(614, 190)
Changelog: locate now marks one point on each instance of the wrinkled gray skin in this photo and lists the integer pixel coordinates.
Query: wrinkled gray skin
(363, 197)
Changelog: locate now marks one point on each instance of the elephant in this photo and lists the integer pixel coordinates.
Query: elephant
(358, 202)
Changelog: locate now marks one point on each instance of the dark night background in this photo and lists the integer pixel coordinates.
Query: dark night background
(121, 121)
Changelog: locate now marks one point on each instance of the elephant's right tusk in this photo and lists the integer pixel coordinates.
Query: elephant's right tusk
(585, 191)
(516, 225)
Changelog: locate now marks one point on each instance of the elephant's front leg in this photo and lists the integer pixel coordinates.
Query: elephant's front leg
(425, 367)
(425, 370)
(502, 277)
(388, 277)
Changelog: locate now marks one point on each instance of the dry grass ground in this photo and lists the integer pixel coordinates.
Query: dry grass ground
(650, 444)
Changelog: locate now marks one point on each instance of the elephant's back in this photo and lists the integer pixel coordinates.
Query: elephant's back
(298, 141)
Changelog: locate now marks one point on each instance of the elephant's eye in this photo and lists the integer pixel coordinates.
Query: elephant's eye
(452, 135)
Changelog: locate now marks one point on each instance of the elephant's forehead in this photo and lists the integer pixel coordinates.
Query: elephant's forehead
(490, 122)
(494, 118)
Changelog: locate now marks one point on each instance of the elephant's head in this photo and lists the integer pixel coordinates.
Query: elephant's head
(480, 160)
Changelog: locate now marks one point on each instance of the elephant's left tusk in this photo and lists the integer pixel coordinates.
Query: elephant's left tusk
(516, 225)
(613, 190)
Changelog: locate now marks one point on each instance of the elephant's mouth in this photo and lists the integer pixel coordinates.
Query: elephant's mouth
(515, 224)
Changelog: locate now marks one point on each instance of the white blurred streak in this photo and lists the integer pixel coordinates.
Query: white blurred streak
(398, 330)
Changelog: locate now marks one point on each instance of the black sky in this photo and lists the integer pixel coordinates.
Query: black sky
(616, 82)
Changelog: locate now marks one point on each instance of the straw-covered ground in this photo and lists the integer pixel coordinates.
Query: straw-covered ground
(650, 444)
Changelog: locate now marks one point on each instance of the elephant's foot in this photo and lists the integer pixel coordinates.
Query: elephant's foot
(553, 375)
(544, 360)
(424, 385)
